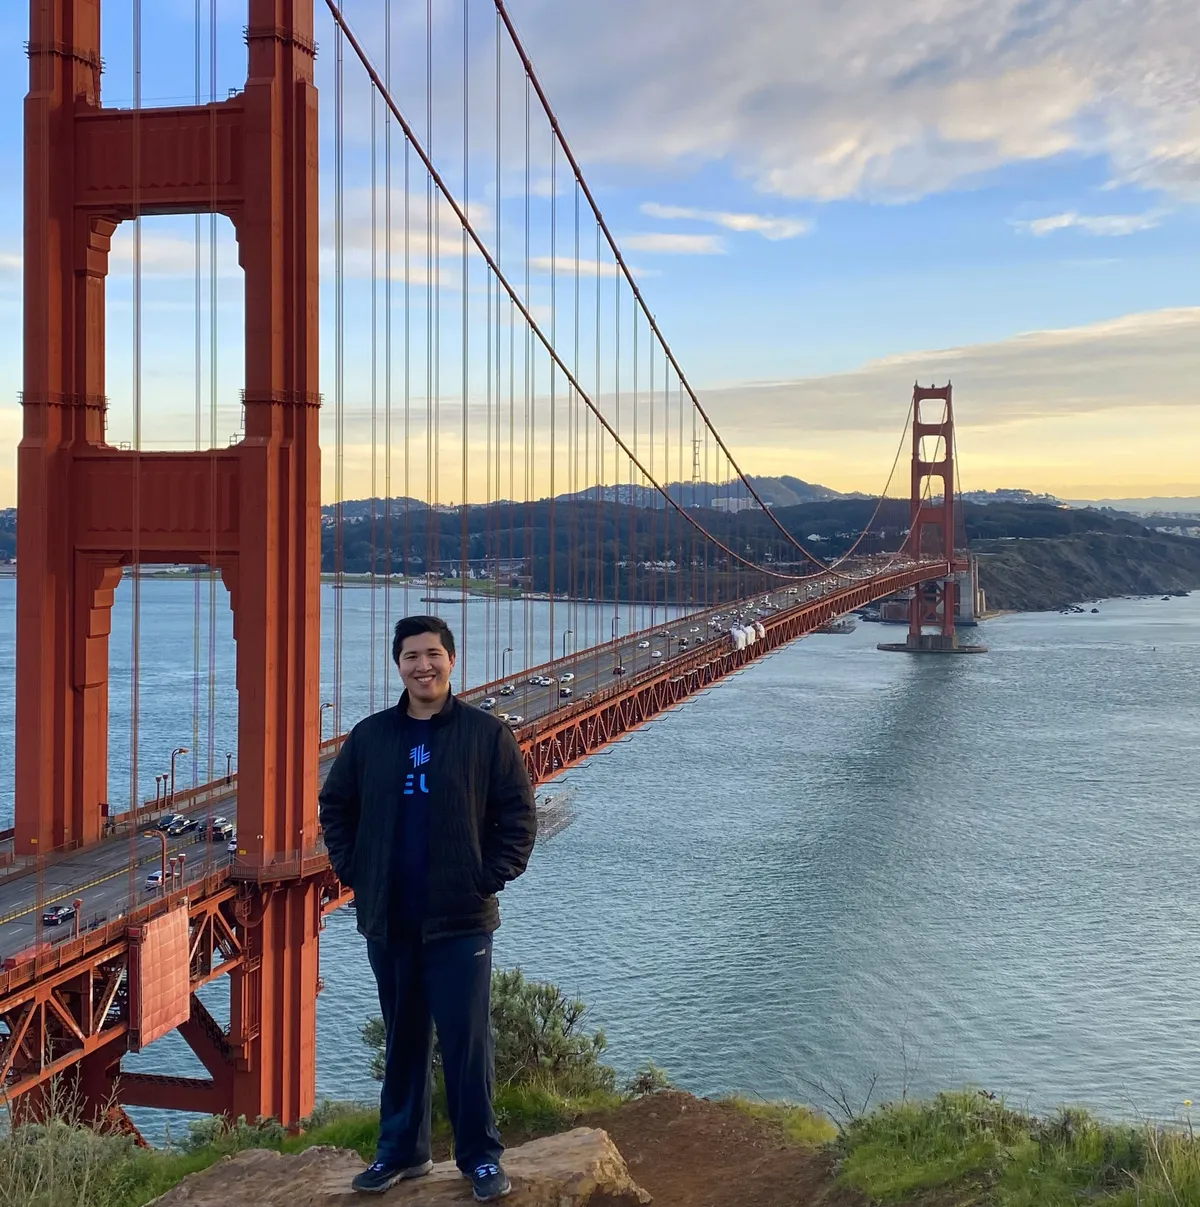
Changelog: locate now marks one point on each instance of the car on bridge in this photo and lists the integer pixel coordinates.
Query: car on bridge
(217, 823)
(232, 848)
(534, 681)
(565, 693)
(154, 881)
(165, 823)
(56, 914)
(507, 690)
(569, 677)
(487, 703)
(643, 645)
(182, 825)
(516, 719)
(220, 832)
(656, 654)
(618, 670)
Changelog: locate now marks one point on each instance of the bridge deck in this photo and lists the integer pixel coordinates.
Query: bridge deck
(62, 1000)
(110, 876)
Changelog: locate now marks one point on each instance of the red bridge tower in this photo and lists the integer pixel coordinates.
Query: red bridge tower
(932, 519)
(88, 510)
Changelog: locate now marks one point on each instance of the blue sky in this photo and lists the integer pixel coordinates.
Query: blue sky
(948, 177)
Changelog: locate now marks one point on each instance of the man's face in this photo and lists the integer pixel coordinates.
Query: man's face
(425, 667)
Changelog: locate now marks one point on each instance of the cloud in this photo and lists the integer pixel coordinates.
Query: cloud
(675, 245)
(876, 101)
(1100, 224)
(762, 224)
(1046, 409)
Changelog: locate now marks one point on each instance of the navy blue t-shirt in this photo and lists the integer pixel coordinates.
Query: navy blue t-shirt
(411, 857)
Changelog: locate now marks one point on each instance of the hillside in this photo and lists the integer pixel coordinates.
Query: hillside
(1038, 574)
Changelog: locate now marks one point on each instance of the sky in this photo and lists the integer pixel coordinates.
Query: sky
(823, 202)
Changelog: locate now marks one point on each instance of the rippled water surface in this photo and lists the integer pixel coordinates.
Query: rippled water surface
(843, 863)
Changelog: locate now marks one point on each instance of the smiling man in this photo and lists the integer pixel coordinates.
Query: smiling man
(428, 812)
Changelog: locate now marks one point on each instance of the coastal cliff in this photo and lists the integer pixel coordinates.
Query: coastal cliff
(1038, 574)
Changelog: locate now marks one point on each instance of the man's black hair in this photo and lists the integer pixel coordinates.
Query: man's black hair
(411, 626)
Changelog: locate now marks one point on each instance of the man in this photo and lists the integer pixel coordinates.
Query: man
(428, 812)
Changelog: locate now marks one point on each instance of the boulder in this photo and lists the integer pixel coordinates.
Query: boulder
(579, 1168)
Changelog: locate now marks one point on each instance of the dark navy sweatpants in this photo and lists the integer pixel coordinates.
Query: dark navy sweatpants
(446, 982)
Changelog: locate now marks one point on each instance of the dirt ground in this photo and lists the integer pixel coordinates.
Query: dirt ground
(690, 1152)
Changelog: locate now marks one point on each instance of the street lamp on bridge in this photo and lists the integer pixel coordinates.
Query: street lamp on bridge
(507, 650)
(566, 633)
(177, 751)
(228, 766)
(327, 704)
(616, 624)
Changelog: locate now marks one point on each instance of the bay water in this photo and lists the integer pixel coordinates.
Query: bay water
(839, 867)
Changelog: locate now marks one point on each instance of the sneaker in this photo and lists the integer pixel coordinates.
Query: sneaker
(375, 1179)
(489, 1182)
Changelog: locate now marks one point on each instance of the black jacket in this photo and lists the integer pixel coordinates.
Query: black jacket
(482, 820)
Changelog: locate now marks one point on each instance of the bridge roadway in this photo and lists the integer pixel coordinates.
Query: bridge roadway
(100, 875)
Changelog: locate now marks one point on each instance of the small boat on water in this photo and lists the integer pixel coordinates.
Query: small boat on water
(842, 625)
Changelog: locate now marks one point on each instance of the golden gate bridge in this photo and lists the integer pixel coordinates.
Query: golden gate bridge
(528, 424)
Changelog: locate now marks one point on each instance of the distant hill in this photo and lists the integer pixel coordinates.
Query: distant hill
(1179, 505)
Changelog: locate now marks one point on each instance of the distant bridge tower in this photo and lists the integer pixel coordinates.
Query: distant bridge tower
(932, 517)
(88, 510)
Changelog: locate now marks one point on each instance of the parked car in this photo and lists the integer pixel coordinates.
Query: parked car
(56, 914)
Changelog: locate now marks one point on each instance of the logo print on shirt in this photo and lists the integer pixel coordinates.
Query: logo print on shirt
(413, 783)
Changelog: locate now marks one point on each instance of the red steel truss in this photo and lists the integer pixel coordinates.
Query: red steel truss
(569, 736)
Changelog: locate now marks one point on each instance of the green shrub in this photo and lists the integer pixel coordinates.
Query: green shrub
(218, 1134)
(540, 1038)
(649, 1079)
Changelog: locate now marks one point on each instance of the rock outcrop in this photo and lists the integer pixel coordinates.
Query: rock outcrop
(580, 1168)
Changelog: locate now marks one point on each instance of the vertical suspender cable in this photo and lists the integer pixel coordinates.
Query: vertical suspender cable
(198, 392)
(430, 269)
(465, 551)
(136, 461)
(387, 355)
(406, 557)
(338, 367)
(553, 586)
(372, 652)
